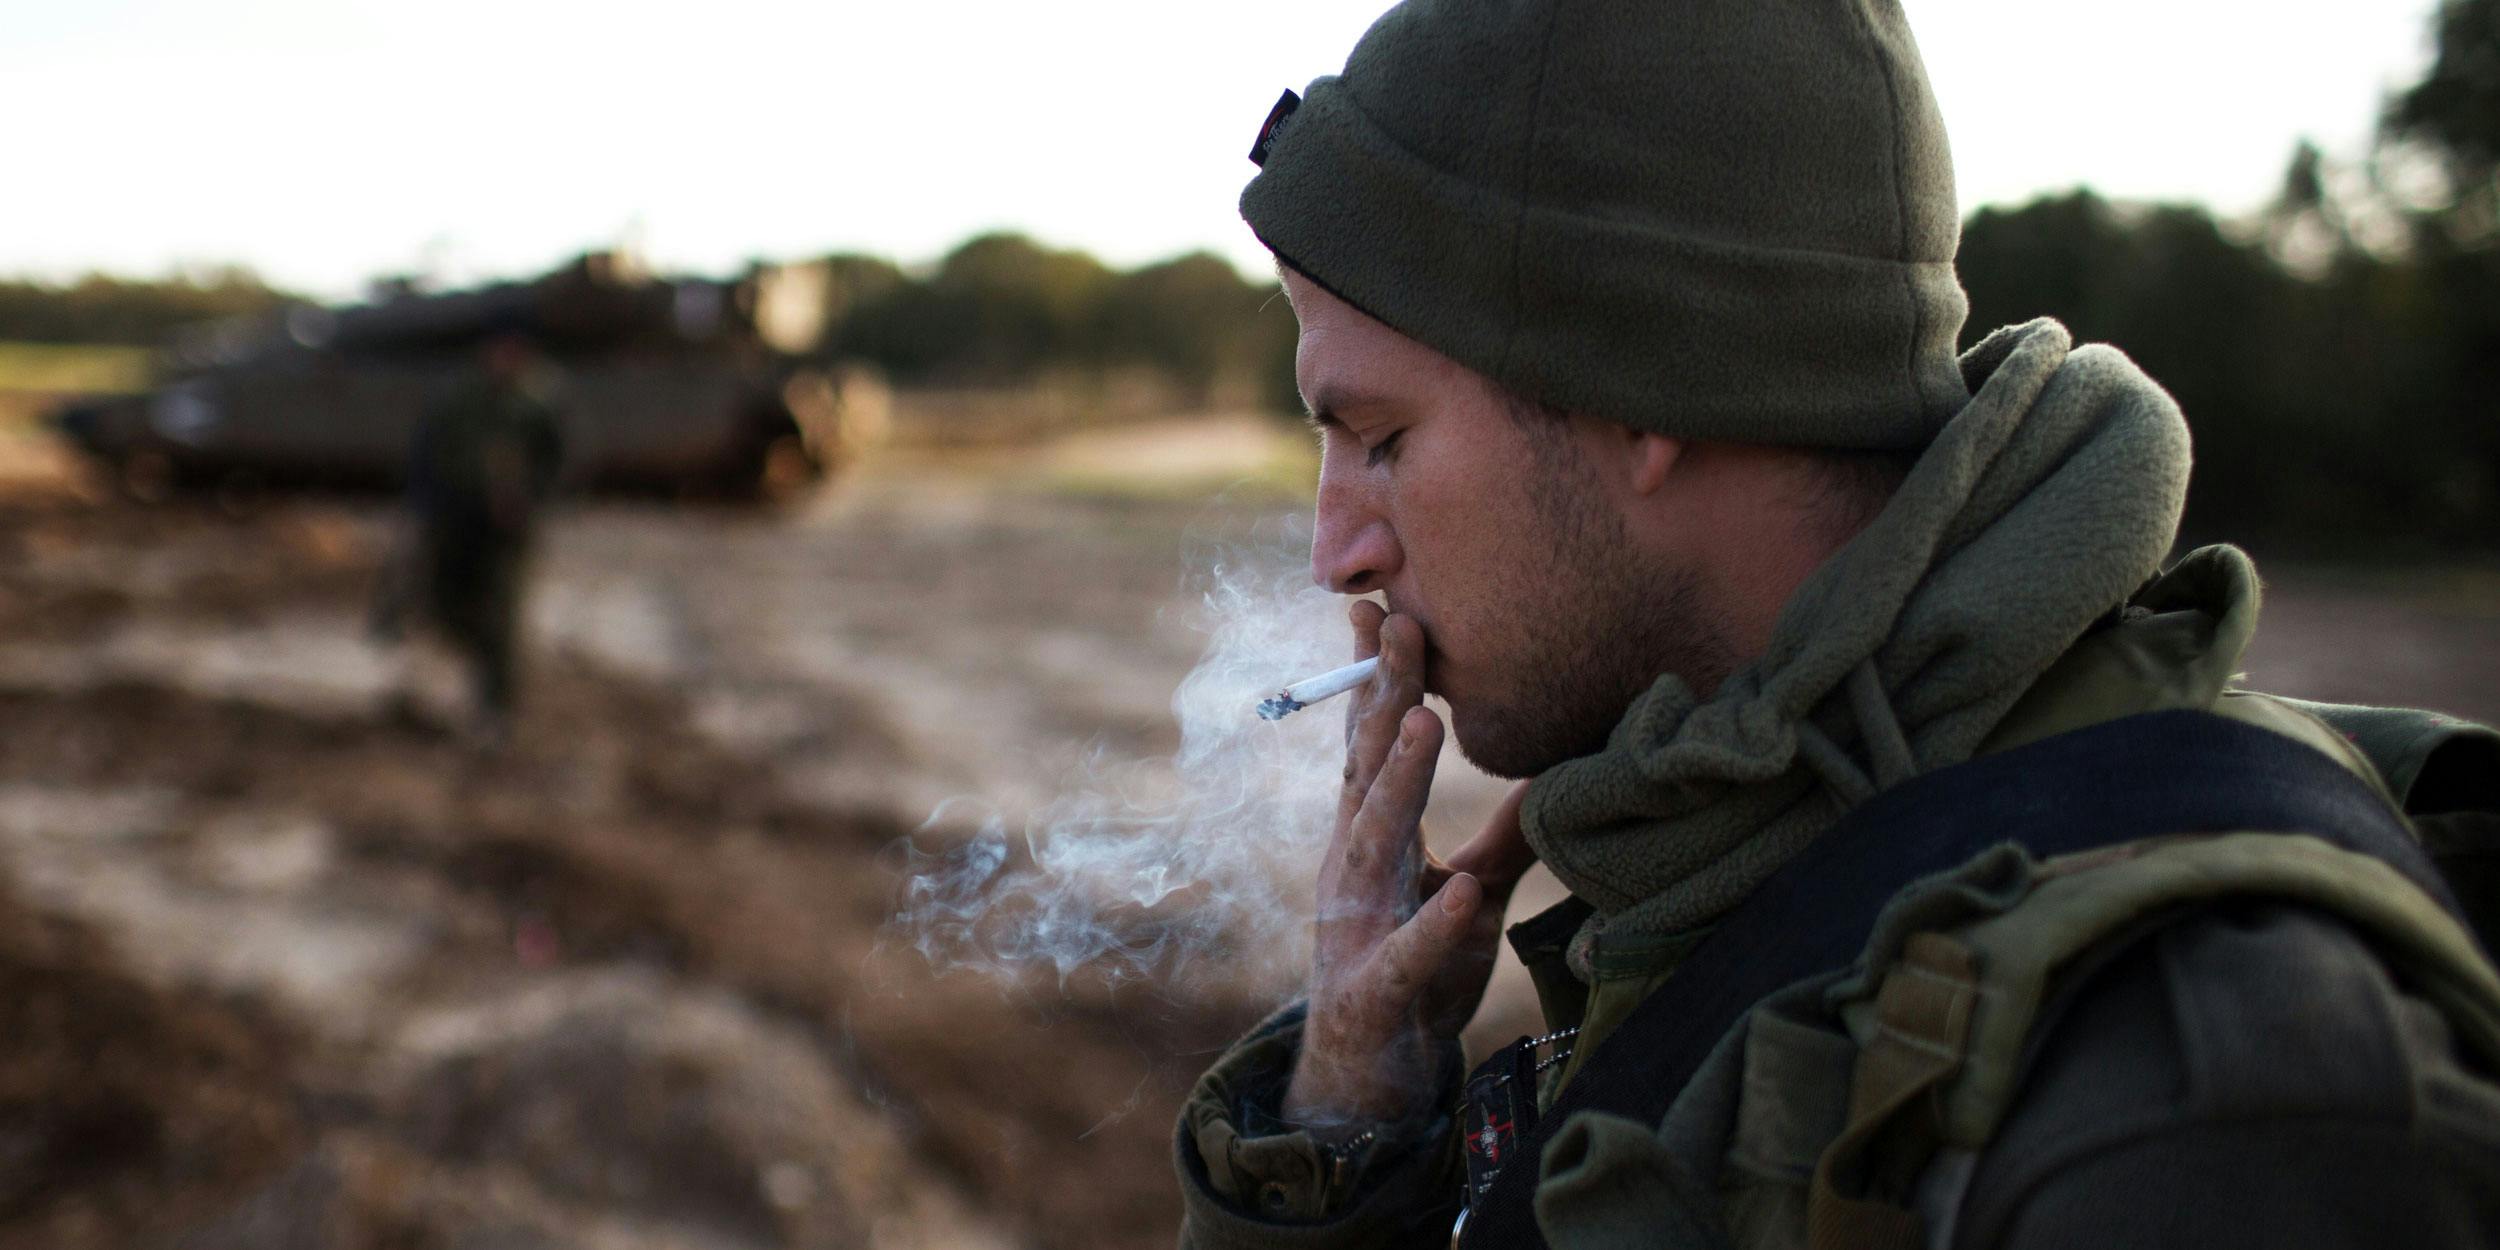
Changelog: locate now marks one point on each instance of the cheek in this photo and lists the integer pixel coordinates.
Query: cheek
(1471, 558)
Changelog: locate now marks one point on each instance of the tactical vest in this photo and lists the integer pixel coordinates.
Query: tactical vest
(1967, 895)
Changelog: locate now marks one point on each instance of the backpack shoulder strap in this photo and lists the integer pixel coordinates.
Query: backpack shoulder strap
(1949, 1018)
(2143, 776)
(2431, 762)
(2445, 773)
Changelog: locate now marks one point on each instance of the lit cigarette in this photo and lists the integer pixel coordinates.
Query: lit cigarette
(1310, 690)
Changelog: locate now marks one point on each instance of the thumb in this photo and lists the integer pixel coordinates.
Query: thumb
(1499, 854)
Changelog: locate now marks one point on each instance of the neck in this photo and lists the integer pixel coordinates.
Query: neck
(1751, 523)
(1755, 588)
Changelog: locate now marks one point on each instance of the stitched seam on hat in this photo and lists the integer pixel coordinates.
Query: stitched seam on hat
(1519, 218)
(1900, 204)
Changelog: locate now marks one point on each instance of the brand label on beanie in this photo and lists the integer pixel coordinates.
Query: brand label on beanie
(1274, 125)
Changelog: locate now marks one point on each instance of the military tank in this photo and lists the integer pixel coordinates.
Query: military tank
(675, 386)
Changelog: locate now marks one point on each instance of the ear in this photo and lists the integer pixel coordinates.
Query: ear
(1653, 457)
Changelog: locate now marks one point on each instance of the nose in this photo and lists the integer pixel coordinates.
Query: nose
(1354, 549)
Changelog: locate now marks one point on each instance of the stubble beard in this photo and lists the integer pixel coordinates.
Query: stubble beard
(1602, 623)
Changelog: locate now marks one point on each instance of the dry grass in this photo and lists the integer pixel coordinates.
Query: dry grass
(73, 369)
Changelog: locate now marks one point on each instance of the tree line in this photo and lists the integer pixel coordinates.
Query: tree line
(129, 312)
(2338, 357)
(1003, 307)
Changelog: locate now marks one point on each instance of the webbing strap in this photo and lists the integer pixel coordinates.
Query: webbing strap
(2137, 777)
(1922, 1032)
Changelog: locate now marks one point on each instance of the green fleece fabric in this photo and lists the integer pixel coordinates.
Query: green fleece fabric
(2051, 496)
(1714, 219)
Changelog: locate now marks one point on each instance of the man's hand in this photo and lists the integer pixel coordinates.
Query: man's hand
(1406, 941)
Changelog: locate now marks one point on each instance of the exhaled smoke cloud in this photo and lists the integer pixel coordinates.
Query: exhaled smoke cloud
(1200, 866)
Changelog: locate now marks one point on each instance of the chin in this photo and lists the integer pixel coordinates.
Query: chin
(1491, 748)
(1527, 739)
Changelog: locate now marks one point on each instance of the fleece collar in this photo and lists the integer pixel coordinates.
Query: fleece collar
(2053, 494)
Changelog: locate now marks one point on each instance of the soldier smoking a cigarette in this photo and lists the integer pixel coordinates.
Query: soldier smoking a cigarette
(1931, 881)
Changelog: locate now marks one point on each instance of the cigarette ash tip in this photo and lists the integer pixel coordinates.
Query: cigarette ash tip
(1310, 690)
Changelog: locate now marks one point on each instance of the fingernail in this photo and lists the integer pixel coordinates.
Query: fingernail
(1450, 901)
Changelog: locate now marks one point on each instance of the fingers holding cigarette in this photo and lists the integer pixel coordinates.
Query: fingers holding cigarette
(1373, 634)
(1364, 1058)
(1365, 1055)
(1379, 702)
(1383, 849)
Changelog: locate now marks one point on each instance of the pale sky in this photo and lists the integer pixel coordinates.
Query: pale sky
(325, 141)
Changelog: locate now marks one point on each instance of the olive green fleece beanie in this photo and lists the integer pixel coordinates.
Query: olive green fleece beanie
(1718, 219)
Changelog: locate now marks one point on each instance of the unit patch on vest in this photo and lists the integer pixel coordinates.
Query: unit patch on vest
(1498, 1108)
(1500, 1103)
(1274, 125)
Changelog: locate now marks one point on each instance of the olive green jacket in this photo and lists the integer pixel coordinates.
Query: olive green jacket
(2144, 1119)
(484, 459)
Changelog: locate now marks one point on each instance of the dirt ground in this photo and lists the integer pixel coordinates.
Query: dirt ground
(286, 962)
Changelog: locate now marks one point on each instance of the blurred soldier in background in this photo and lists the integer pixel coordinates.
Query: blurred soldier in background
(484, 461)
